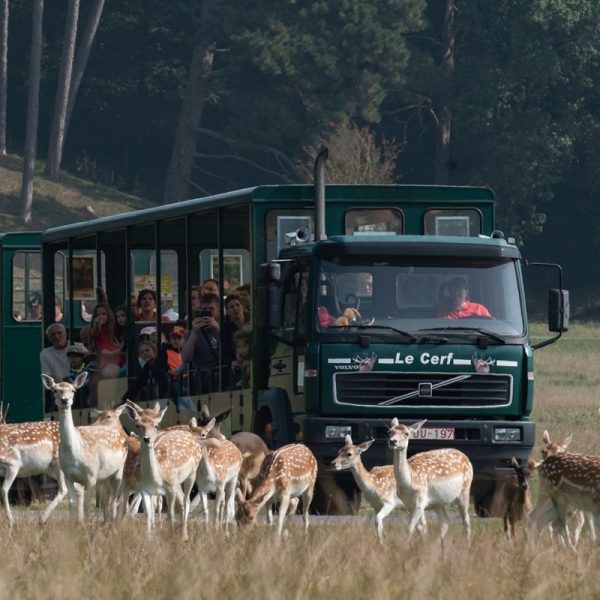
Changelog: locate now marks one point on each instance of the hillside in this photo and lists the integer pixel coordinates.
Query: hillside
(67, 200)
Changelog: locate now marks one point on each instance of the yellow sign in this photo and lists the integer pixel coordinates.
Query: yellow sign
(148, 282)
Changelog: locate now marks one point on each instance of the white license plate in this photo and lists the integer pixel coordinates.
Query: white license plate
(435, 433)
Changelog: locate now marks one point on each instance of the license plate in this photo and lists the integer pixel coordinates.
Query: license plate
(435, 433)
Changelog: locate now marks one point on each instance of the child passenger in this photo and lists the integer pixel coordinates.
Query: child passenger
(76, 354)
(242, 365)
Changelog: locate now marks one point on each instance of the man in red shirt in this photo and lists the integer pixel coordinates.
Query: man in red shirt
(454, 303)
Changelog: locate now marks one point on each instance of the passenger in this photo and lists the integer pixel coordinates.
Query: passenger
(53, 359)
(151, 383)
(176, 367)
(146, 303)
(242, 365)
(76, 354)
(210, 286)
(236, 317)
(121, 325)
(108, 348)
(58, 308)
(203, 345)
(244, 292)
(34, 302)
(454, 303)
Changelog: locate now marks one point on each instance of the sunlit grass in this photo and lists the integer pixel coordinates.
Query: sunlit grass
(333, 561)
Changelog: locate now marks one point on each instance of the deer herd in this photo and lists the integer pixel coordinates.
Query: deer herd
(101, 462)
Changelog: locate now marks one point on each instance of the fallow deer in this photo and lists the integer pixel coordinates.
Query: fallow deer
(436, 479)
(567, 480)
(377, 485)
(254, 450)
(217, 472)
(551, 448)
(28, 449)
(288, 473)
(512, 499)
(166, 466)
(89, 454)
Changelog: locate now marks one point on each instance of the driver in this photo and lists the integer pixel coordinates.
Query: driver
(455, 305)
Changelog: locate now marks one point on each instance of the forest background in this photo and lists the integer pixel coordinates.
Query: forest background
(173, 100)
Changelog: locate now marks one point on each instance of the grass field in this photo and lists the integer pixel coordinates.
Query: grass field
(341, 561)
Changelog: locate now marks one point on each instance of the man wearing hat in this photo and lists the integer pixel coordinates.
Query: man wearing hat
(76, 353)
(54, 360)
(454, 303)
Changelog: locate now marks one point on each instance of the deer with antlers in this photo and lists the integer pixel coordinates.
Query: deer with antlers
(165, 466)
(436, 479)
(88, 455)
(377, 485)
(218, 471)
(287, 474)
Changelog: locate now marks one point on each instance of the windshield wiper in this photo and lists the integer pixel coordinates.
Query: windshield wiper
(412, 339)
(490, 335)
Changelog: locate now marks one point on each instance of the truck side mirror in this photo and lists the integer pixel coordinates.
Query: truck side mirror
(558, 311)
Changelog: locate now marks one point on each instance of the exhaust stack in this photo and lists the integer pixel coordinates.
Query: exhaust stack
(320, 194)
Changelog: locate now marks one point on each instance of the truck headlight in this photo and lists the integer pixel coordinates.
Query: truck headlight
(337, 431)
(507, 434)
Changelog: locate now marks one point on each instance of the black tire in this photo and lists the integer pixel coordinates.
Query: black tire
(335, 495)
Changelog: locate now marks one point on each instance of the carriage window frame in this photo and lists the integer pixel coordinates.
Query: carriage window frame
(399, 230)
(473, 217)
(26, 289)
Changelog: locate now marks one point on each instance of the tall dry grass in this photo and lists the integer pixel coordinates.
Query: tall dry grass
(342, 560)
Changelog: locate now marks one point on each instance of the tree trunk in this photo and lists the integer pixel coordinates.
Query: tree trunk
(57, 134)
(33, 105)
(3, 77)
(81, 57)
(444, 124)
(196, 91)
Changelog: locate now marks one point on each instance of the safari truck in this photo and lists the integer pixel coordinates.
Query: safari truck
(416, 311)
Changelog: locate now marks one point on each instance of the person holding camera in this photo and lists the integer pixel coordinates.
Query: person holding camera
(202, 348)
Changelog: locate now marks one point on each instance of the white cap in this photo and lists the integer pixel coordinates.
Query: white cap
(148, 331)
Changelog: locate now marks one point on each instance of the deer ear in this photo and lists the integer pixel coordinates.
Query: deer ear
(220, 418)
(205, 412)
(416, 426)
(395, 422)
(80, 380)
(94, 412)
(119, 410)
(365, 446)
(211, 424)
(161, 414)
(193, 423)
(348, 441)
(48, 382)
(546, 437)
(514, 462)
(532, 464)
(567, 441)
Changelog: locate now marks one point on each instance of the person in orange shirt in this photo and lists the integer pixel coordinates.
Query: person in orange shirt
(454, 303)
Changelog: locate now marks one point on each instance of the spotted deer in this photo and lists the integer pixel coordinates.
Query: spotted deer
(217, 472)
(287, 474)
(28, 449)
(567, 480)
(89, 454)
(434, 479)
(166, 466)
(378, 485)
(544, 504)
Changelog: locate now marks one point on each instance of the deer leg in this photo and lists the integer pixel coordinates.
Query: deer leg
(10, 474)
(589, 517)
(579, 517)
(380, 516)
(444, 521)
(60, 494)
(283, 508)
(147, 500)
(415, 517)
(219, 504)
(134, 505)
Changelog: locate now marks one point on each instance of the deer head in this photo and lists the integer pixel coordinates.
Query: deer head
(551, 448)
(398, 434)
(349, 455)
(147, 424)
(64, 392)
(523, 472)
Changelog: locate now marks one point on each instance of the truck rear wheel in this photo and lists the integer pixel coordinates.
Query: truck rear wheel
(335, 495)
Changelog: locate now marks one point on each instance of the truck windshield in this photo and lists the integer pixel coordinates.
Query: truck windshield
(438, 296)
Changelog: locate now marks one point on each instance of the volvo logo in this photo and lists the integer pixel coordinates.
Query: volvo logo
(425, 390)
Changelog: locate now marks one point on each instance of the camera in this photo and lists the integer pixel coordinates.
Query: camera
(203, 312)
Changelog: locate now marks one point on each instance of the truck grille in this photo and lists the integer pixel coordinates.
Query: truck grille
(422, 389)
